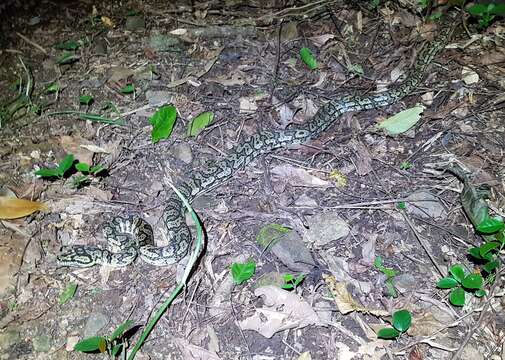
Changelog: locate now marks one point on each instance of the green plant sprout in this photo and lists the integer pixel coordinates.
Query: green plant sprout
(291, 282)
(242, 272)
(461, 283)
(113, 345)
(402, 320)
(390, 274)
(486, 13)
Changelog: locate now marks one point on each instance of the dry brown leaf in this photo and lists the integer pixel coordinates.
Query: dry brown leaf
(13, 208)
(344, 300)
(298, 177)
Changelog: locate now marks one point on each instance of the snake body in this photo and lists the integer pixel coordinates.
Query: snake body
(132, 237)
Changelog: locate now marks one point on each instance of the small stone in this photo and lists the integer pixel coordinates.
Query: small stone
(325, 228)
(183, 152)
(291, 251)
(135, 23)
(163, 42)
(41, 343)
(424, 204)
(96, 321)
(156, 98)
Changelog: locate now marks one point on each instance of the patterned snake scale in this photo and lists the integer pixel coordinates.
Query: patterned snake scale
(129, 237)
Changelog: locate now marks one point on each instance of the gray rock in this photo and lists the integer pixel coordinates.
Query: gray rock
(183, 152)
(135, 23)
(325, 228)
(164, 42)
(426, 205)
(96, 321)
(157, 98)
(291, 251)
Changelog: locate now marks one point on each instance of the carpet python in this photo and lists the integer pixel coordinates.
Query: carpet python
(130, 237)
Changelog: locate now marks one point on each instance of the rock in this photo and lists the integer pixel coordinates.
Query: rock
(157, 98)
(96, 321)
(41, 343)
(164, 42)
(325, 228)
(183, 152)
(424, 204)
(135, 23)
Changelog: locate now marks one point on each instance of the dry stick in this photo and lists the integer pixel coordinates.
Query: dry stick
(423, 243)
(481, 317)
(32, 43)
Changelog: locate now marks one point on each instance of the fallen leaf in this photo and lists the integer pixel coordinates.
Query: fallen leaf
(298, 177)
(403, 121)
(247, 105)
(283, 310)
(13, 208)
(469, 76)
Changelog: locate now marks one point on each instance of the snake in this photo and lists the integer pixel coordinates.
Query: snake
(132, 237)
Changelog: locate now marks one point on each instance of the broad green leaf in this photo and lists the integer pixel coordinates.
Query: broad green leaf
(491, 266)
(308, 58)
(92, 344)
(401, 205)
(458, 272)
(481, 9)
(477, 9)
(475, 252)
(487, 247)
(457, 297)
(121, 329)
(402, 320)
(270, 234)
(490, 225)
(85, 99)
(66, 164)
(242, 272)
(290, 282)
(127, 89)
(473, 281)
(388, 333)
(68, 293)
(199, 123)
(403, 121)
(378, 263)
(48, 172)
(447, 283)
(82, 167)
(163, 122)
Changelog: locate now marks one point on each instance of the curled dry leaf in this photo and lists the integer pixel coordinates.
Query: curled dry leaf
(298, 177)
(13, 208)
(283, 310)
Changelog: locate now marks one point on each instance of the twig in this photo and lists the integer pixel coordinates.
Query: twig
(32, 43)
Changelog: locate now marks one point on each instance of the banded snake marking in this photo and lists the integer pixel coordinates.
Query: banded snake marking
(131, 237)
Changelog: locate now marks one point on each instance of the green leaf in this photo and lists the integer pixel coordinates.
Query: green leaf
(487, 247)
(163, 122)
(48, 173)
(270, 234)
(67, 58)
(475, 252)
(447, 283)
(403, 121)
(458, 272)
(290, 282)
(378, 263)
(390, 286)
(68, 293)
(477, 9)
(480, 293)
(356, 69)
(116, 350)
(242, 272)
(82, 167)
(473, 281)
(121, 329)
(401, 205)
(402, 320)
(66, 163)
(53, 88)
(80, 181)
(491, 266)
(128, 89)
(97, 169)
(68, 45)
(199, 123)
(92, 344)
(388, 333)
(457, 297)
(308, 58)
(85, 99)
(406, 165)
(490, 225)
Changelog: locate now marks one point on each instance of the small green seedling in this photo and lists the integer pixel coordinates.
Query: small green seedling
(127, 89)
(486, 12)
(86, 100)
(113, 345)
(67, 58)
(461, 283)
(406, 165)
(241, 272)
(199, 123)
(401, 322)
(308, 58)
(390, 274)
(59, 172)
(53, 88)
(68, 45)
(356, 69)
(291, 282)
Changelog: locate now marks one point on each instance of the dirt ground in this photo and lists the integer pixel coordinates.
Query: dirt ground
(340, 195)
